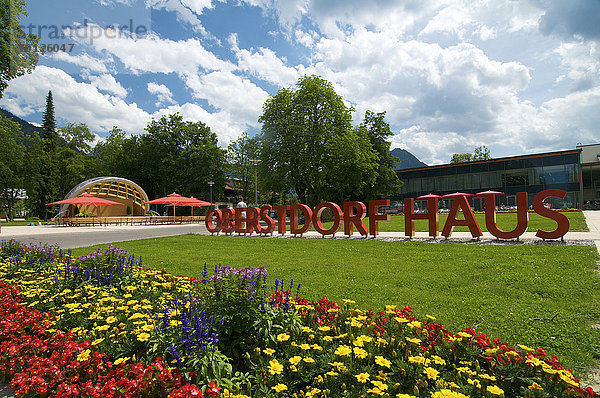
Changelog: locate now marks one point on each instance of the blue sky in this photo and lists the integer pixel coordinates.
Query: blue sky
(518, 76)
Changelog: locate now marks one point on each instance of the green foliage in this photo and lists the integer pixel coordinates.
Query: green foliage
(240, 167)
(480, 153)
(310, 149)
(13, 165)
(17, 49)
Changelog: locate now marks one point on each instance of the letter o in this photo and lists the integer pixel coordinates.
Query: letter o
(208, 220)
(337, 218)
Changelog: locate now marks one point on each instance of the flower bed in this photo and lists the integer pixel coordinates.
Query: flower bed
(103, 325)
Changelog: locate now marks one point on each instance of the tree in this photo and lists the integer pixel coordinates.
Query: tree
(18, 53)
(310, 149)
(182, 156)
(73, 154)
(46, 189)
(461, 158)
(13, 165)
(480, 153)
(386, 180)
(240, 168)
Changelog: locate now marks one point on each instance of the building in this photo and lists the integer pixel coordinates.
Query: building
(575, 171)
(116, 189)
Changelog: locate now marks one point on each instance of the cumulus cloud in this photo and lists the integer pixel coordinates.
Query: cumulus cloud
(164, 95)
(83, 60)
(74, 101)
(151, 53)
(572, 18)
(108, 83)
(224, 90)
(265, 65)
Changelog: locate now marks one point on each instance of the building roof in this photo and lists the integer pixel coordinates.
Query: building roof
(537, 155)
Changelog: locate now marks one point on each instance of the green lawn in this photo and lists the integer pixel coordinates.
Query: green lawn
(505, 221)
(499, 289)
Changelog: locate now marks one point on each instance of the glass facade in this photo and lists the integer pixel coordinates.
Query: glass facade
(531, 174)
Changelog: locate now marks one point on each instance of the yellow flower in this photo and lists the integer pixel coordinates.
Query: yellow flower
(414, 324)
(432, 318)
(431, 373)
(121, 360)
(536, 386)
(306, 329)
(445, 393)
(83, 355)
(332, 373)
(495, 390)
(308, 360)
(418, 359)
(111, 319)
(360, 353)
(280, 387)
(283, 337)
(269, 351)
(317, 347)
(324, 328)
(343, 350)
(381, 361)
(464, 334)
(295, 360)
(97, 341)
(275, 367)
(414, 341)
(487, 377)
(362, 377)
(525, 348)
(304, 347)
(401, 319)
(375, 391)
(143, 336)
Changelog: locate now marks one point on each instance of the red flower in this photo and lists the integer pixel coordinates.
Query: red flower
(213, 390)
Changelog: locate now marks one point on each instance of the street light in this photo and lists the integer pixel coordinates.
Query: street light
(255, 162)
(210, 184)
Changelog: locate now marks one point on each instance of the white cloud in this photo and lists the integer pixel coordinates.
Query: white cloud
(74, 101)
(165, 96)
(231, 93)
(581, 61)
(265, 65)
(109, 84)
(84, 60)
(153, 54)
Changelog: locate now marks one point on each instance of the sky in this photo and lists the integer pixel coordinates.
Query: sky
(519, 77)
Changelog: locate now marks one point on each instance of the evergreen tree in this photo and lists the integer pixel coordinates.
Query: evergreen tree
(47, 188)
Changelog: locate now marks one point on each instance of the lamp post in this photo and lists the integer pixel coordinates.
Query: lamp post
(255, 162)
(210, 184)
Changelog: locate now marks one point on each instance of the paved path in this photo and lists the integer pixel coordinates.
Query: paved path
(72, 237)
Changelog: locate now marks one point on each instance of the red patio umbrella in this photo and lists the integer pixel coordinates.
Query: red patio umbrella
(429, 195)
(488, 192)
(85, 199)
(174, 199)
(455, 194)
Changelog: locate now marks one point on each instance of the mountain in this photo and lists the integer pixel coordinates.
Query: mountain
(27, 128)
(406, 160)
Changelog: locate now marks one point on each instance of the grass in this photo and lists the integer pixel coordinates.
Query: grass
(544, 295)
(14, 223)
(505, 221)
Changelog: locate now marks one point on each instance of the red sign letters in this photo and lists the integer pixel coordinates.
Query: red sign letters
(259, 220)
